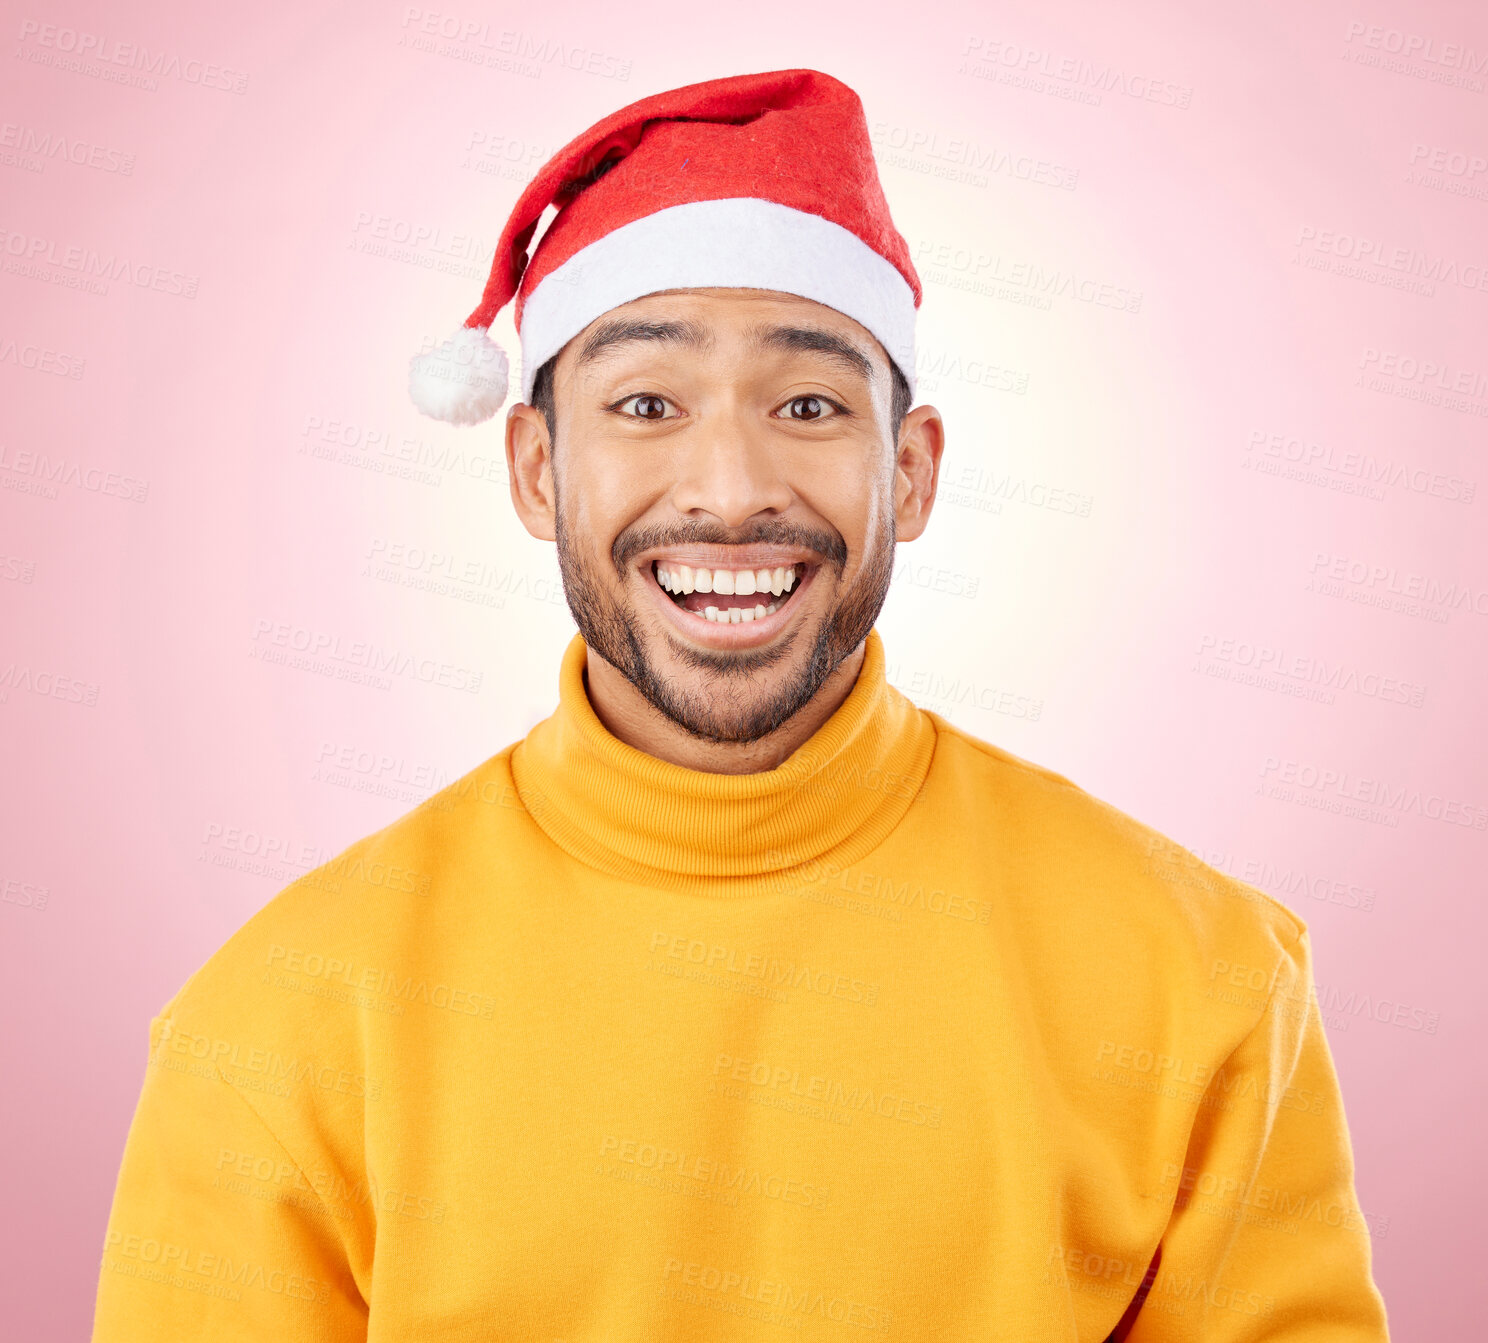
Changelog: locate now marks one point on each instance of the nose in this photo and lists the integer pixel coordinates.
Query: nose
(729, 468)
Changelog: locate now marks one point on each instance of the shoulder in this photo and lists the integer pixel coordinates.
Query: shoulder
(1085, 864)
(358, 917)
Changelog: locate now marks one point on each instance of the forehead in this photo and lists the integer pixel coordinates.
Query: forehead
(702, 321)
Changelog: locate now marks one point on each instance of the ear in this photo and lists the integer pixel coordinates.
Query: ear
(529, 466)
(917, 470)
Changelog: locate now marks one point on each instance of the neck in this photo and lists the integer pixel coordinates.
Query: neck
(617, 808)
(632, 718)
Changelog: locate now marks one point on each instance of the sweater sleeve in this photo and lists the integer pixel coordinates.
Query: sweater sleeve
(1266, 1240)
(215, 1233)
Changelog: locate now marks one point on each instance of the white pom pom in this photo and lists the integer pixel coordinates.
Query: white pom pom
(462, 381)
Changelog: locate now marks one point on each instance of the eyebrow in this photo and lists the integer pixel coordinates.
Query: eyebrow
(609, 336)
(816, 340)
(622, 331)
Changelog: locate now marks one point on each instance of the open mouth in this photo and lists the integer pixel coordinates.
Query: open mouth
(730, 596)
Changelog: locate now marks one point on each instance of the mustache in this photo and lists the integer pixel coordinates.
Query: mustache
(633, 540)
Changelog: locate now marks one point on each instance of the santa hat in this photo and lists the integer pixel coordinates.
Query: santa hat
(757, 181)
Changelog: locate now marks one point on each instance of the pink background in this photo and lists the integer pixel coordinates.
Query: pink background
(1151, 487)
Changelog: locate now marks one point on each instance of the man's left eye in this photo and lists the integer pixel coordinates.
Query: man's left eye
(808, 408)
(646, 407)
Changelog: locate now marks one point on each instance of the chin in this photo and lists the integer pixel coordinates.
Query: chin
(727, 696)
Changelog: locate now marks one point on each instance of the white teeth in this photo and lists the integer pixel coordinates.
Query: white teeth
(683, 579)
(735, 614)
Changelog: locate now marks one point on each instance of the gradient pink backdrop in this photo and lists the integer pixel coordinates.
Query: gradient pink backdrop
(302, 194)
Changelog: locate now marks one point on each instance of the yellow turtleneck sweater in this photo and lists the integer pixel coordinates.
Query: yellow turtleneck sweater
(908, 1038)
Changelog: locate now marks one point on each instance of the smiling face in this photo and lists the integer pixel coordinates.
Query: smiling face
(726, 493)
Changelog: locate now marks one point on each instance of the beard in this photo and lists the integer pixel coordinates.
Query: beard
(734, 698)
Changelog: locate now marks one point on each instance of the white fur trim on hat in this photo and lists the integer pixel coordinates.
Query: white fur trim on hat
(739, 243)
(462, 381)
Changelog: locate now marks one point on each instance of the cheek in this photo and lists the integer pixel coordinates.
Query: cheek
(602, 495)
(851, 498)
(856, 473)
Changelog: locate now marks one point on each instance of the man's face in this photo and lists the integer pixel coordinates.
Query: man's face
(724, 499)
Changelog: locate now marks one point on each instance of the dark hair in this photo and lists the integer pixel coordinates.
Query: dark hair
(542, 398)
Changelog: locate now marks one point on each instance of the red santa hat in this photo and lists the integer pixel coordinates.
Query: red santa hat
(757, 181)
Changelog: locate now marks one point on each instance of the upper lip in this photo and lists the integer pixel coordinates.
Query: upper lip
(730, 557)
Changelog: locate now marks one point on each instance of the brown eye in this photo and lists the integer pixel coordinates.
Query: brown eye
(806, 408)
(649, 408)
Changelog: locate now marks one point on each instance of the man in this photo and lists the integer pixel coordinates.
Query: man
(740, 995)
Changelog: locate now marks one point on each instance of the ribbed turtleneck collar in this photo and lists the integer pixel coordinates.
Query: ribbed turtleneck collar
(647, 820)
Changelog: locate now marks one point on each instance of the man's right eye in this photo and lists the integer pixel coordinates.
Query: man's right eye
(646, 406)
